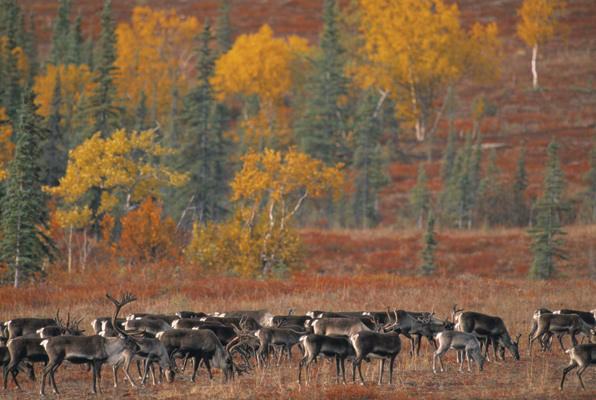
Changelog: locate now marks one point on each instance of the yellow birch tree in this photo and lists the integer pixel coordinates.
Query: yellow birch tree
(539, 25)
(121, 166)
(416, 50)
(263, 67)
(268, 191)
(153, 55)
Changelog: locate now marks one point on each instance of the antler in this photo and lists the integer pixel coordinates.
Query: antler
(430, 317)
(455, 311)
(58, 320)
(126, 298)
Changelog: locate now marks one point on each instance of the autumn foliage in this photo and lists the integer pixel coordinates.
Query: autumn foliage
(260, 237)
(148, 236)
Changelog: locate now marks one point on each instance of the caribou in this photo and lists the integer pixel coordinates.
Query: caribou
(200, 345)
(337, 348)
(581, 355)
(22, 366)
(151, 350)
(460, 341)
(285, 338)
(153, 326)
(559, 324)
(24, 326)
(94, 350)
(24, 349)
(338, 326)
(491, 329)
(261, 317)
(190, 323)
(369, 344)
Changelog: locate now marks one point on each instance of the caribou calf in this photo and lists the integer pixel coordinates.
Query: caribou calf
(460, 341)
(337, 348)
(581, 355)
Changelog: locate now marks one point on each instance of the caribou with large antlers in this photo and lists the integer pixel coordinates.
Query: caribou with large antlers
(94, 350)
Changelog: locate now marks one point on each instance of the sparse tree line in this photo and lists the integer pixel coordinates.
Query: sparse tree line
(164, 131)
(238, 342)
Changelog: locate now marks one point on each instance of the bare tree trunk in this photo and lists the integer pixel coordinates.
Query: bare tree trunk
(17, 280)
(534, 72)
(70, 250)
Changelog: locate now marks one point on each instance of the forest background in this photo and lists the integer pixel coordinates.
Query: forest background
(289, 139)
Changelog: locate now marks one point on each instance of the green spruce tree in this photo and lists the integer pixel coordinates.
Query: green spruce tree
(448, 156)
(224, 28)
(546, 246)
(322, 128)
(25, 247)
(59, 42)
(520, 184)
(75, 41)
(10, 87)
(420, 197)
(102, 101)
(430, 247)
(368, 161)
(55, 157)
(205, 150)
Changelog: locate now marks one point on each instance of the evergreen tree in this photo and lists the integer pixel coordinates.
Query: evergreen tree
(24, 245)
(448, 156)
(204, 147)
(59, 42)
(322, 128)
(75, 42)
(590, 178)
(224, 28)
(461, 189)
(102, 109)
(55, 156)
(87, 56)
(493, 203)
(141, 113)
(430, 247)
(30, 48)
(368, 161)
(10, 78)
(520, 209)
(420, 196)
(546, 247)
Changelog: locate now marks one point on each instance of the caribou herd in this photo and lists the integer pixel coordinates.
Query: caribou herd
(238, 341)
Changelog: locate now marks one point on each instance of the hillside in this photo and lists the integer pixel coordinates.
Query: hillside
(565, 109)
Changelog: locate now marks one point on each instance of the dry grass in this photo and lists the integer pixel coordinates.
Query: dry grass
(514, 300)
